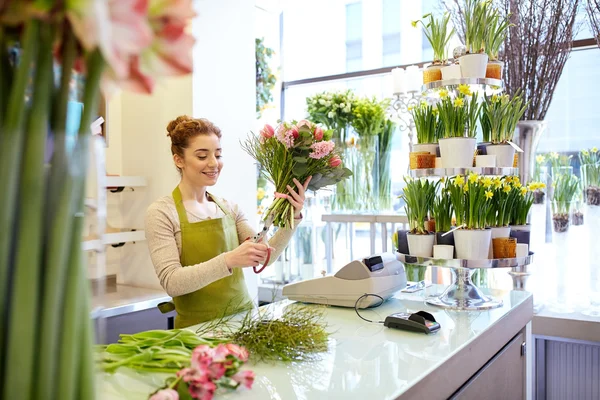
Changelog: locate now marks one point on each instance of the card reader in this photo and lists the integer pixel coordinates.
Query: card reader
(420, 321)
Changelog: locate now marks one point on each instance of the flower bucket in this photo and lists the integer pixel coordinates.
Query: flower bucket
(451, 72)
(402, 241)
(486, 161)
(431, 148)
(504, 247)
(457, 152)
(505, 154)
(432, 73)
(494, 69)
(472, 244)
(498, 232)
(420, 245)
(473, 65)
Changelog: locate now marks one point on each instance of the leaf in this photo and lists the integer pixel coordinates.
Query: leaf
(303, 160)
(300, 169)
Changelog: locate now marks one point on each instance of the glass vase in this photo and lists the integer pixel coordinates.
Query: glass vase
(561, 215)
(590, 179)
(415, 273)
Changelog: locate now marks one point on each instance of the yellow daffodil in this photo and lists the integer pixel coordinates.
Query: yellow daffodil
(424, 104)
(414, 24)
(459, 102)
(459, 180)
(466, 188)
(495, 98)
(517, 185)
(594, 149)
(487, 182)
(443, 93)
(411, 107)
(465, 89)
(554, 155)
(523, 191)
(508, 179)
(540, 159)
(443, 179)
(585, 153)
(497, 183)
(488, 194)
(541, 185)
(260, 194)
(506, 188)
(473, 178)
(435, 111)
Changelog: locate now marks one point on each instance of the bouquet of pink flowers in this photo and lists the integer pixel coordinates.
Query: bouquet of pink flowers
(210, 368)
(295, 150)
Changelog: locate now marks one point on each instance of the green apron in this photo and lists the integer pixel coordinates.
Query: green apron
(200, 242)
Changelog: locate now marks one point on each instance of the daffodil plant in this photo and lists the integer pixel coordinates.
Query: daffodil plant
(590, 175)
(495, 34)
(425, 117)
(565, 188)
(523, 202)
(477, 15)
(499, 117)
(418, 195)
(560, 164)
(471, 201)
(453, 114)
(436, 31)
(443, 209)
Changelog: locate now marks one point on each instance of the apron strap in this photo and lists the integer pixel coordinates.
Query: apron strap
(179, 205)
(220, 204)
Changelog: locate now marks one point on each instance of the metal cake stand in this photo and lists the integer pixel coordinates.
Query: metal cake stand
(486, 84)
(447, 172)
(462, 294)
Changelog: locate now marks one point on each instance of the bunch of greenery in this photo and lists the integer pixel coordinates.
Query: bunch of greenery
(560, 164)
(369, 116)
(425, 117)
(437, 33)
(476, 15)
(590, 164)
(385, 151)
(265, 79)
(453, 115)
(418, 195)
(523, 203)
(443, 209)
(504, 193)
(334, 110)
(495, 34)
(565, 189)
(499, 117)
(471, 201)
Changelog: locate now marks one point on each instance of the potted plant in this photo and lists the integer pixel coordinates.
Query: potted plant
(499, 118)
(456, 148)
(501, 205)
(471, 202)
(561, 165)
(539, 194)
(590, 176)
(438, 35)
(565, 187)
(425, 117)
(476, 15)
(442, 213)
(495, 35)
(419, 195)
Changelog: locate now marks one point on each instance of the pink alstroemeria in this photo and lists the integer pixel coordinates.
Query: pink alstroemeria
(318, 133)
(237, 351)
(202, 391)
(335, 161)
(244, 378)
(119, 28)
(194, 375)
(202, 356)
(165, 394)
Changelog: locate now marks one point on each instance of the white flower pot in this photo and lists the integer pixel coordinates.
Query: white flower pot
(473, 65)
(420, 245)
(431, 148)
(451, 72)
(498, 232)
(487, 161)
(505, 154)
(472, 244)
(457, 152)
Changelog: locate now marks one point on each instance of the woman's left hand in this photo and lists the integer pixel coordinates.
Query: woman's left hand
(296, 199)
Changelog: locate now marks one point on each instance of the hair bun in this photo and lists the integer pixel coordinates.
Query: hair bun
(173, 124)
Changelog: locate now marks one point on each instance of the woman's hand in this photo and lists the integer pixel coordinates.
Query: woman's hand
(247, 254)
(296, 199)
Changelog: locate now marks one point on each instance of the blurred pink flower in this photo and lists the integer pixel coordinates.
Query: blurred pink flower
(267, 131)
(119, 28)
(318, 133)
(202, 356)
(194, 375)
(285, 136)
(203, 391)
(216, 370)
(294, 131)
(321, 149)
(237, 351)
(245, 378)
(335, 161)
(165, 394)
(305, 123)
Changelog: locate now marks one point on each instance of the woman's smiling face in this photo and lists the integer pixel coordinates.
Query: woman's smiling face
(202, 162)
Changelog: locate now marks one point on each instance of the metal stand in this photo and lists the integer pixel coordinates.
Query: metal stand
(462, 294)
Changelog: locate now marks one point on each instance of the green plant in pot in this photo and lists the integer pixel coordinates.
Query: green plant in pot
(540, 165)
(437, 33)
(471, 201)
(457, 146)
(425, 117)
(477, 14)
(442, 213)
(495, 35)
(565, 188)
(499, 118)
(590, 175)
(560, 164)
(419, 195)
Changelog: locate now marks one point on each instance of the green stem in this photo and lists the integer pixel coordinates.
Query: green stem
(5, 76)
(61, 206)
(23, 320)
(86, 382)
(10, 161)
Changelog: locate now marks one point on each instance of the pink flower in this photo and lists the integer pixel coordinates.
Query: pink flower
(321, 149)
(165, 394)
(203, 391)
(335, 161)
(294, 131)
(245, 378)
(215, 371)
(194, 375)
(202, 356)
(285, 136)
(267, 131)
(305, 123)
(220, 353)
(237, 351)
(318, 133)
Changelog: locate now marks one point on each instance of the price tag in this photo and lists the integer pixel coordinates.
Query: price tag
(517, 148)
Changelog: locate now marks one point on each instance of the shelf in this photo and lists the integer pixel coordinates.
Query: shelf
(485, 83)
(448, 172)
(116, 239)
(116, 184)
(466, 264)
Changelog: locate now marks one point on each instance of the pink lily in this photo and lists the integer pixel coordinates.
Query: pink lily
(203, 391)
(245, 378)
(237, 351)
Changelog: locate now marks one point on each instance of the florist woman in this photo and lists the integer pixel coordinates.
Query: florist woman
(198, 241)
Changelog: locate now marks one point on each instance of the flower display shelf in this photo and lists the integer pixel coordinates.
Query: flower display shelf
(448, 172)
(462, 294)
(485, 84)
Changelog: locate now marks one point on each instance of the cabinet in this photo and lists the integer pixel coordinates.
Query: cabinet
(503, 377)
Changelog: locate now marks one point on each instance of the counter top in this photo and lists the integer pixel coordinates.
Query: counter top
(574, 325)
(367, 360)
(126, 299)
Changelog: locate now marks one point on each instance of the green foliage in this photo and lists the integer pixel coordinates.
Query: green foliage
(425, 117)
(437, 33)
(418, 195)
(495, 34)
(565, 188)
(265, 79)
(369, 116)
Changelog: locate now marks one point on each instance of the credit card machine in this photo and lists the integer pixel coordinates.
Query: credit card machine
(420, 321)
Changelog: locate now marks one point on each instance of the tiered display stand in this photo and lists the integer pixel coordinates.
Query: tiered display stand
(462, 293)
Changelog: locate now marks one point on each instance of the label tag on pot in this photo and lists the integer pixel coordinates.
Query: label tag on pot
(454, 229)
(514, 146)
